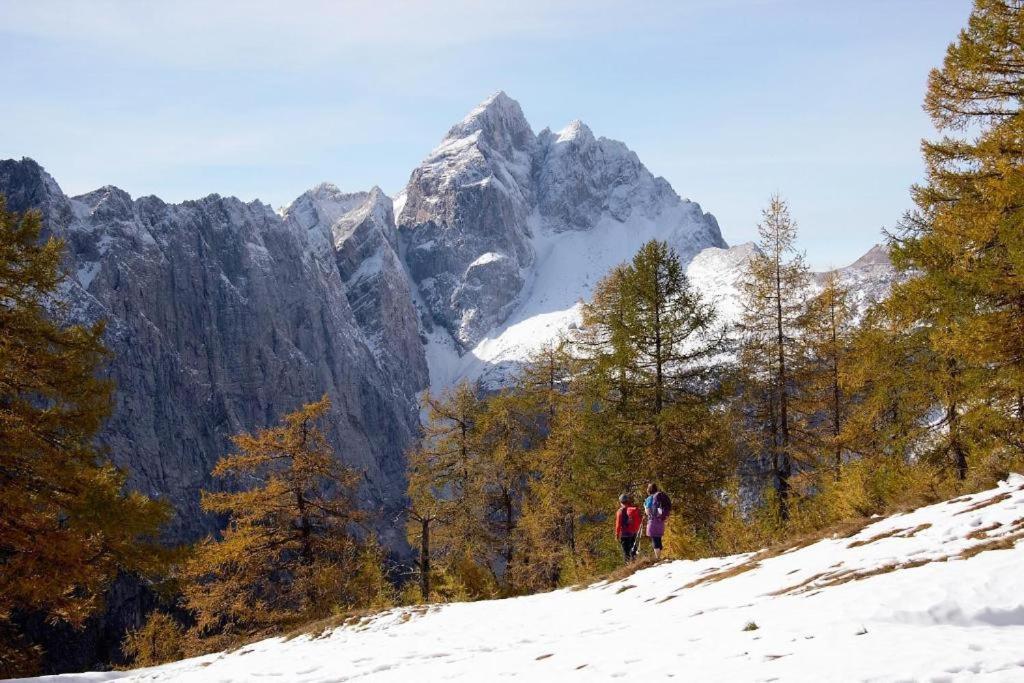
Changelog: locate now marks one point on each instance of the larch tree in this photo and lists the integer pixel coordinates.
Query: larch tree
(965, 242)
(446, 492)
(288, 554)
(67, 524)
(655, 346)
(822, 404)
(774, 290)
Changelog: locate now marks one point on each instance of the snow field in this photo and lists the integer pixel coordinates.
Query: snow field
(932, 595)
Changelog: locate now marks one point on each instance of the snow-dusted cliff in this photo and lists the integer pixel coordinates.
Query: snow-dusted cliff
(717, 273)
(221, 317)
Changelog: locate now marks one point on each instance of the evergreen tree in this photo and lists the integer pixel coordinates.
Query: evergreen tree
(446, 486)
(67, 526)
(965, 242)
(773, 292)
(653, 347)
(822, 402)
(288, 554)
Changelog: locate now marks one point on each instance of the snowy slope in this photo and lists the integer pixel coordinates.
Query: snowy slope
(566, 267)
(936, 594)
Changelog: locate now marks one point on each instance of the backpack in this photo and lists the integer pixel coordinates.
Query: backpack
(661, 500)
(627, 522)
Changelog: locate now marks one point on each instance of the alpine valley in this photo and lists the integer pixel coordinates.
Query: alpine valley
(223, 315)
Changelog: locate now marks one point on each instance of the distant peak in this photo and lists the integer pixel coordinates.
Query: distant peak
(876, 255)
(497, 116)
(325, 187)
(576, 130)
(498, 104)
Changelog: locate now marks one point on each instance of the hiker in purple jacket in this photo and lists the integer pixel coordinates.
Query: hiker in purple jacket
(656, 508)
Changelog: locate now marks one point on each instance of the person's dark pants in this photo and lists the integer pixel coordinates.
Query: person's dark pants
(628, 544)
(656, 541)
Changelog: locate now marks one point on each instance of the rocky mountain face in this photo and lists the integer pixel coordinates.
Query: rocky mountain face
(222, 316)
(362, 229)
(475, 209)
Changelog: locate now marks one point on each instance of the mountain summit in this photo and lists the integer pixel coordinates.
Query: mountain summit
(492, 219)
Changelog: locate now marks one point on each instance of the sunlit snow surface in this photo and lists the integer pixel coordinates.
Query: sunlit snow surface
(894, 602)
(566, 268)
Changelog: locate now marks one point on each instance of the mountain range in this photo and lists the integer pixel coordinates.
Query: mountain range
(223, 315)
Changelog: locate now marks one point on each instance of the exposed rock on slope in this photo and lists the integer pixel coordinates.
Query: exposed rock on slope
(222, 316)
(365, 242)
(717, 273)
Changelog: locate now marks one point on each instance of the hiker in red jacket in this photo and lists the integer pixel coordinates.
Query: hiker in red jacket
(627, 526)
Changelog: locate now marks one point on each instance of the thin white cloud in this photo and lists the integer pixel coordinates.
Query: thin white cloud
(243, 34)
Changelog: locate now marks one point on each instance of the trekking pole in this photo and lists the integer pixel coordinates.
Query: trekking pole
(639, 535)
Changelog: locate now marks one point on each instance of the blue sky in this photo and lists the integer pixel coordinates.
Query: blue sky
(730, 101)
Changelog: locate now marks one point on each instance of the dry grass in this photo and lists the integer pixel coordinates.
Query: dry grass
(1001, 543)
(727, 573)
(982, 532)
(877, 537)
(798, 586)
(985, 503)
(828, 579)
(895, 533)
(623, 572)
(355, 619)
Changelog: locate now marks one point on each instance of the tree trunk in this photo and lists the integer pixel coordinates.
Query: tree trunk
(305, 529)
(425, 558)
(783, 467)
(836, 396)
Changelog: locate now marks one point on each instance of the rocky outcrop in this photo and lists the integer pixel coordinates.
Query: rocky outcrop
(378, 289)
(221, 317)
(476, 208)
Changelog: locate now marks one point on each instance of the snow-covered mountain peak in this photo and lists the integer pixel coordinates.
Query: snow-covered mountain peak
(498, 121)
(320, 207)
(481, 217)
(108, 201)
(878, 255)
(374, 206)
(576, 130)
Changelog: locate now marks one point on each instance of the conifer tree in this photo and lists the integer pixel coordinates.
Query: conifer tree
(570, 482)
(288, 554)
(822, 402)
(426, 510)
(504, 435)
(965, 242)
(773, 293)
(446, 486)
(887, 379)
(67, 526)
(653, 347)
